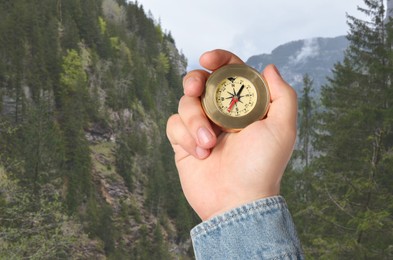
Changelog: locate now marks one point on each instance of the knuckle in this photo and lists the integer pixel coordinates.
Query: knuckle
(193, 121)
(181, 104)
(171, 124)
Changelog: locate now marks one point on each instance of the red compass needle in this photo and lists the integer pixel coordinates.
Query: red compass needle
(233, 102)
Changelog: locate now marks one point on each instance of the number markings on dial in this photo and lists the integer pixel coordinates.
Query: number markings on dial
(235, 96)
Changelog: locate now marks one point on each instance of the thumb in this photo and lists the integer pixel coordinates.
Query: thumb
(283, 107)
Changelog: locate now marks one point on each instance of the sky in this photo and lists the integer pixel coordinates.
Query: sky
(248, 27)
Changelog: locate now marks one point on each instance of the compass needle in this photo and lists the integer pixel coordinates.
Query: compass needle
(233, 102)
(249, 97)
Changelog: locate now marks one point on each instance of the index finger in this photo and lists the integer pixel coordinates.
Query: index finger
(215, 59)
(194, 81)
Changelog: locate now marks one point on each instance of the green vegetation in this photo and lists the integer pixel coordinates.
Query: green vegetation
(342, 196)
(86, 171)
(85, 90)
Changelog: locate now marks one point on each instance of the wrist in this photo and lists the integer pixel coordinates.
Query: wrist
(238, 203)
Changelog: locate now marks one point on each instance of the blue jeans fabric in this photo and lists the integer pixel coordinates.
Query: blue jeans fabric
(263, 229)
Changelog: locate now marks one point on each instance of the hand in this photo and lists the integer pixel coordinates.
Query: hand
(218, 170)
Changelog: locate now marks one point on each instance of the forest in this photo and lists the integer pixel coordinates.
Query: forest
(86, 171)
(339, 183)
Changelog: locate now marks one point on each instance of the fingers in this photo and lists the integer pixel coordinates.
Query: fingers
(190, 132)
(182, 141)
(212, 60)
(194, 81)
(196, 122)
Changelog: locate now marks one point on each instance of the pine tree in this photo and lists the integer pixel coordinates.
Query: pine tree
(354, 204)
(67, 68)
(74, 97)
(306, 131)
(40, 145)
(35, 227)
(297, 184)
(125, 151)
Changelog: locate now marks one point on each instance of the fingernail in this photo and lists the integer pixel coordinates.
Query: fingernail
(190, 81)
(189, 85)
(204, 136)
(202, 153)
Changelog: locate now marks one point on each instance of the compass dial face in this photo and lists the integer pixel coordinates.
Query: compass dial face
(236, 96)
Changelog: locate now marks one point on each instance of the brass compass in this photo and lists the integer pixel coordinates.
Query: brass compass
(235, 96)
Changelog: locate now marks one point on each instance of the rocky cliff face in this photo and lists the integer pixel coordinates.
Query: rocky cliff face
(83, 110)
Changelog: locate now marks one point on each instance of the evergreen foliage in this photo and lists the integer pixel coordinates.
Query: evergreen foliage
(306, 122)
(86, 171)
(36, 226)
(85, 91)
(348, 211)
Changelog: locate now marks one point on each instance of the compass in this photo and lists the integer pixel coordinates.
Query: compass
(235, 96)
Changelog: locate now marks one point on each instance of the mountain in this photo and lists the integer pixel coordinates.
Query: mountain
(315, 56)
(86, 171)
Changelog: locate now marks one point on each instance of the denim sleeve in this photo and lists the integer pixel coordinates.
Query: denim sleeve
(263, 229)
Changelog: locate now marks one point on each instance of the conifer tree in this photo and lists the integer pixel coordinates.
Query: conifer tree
(40, 145)
(353, 205)
(66, 70)
(74, 97)
(306, 131)
(298, 179)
